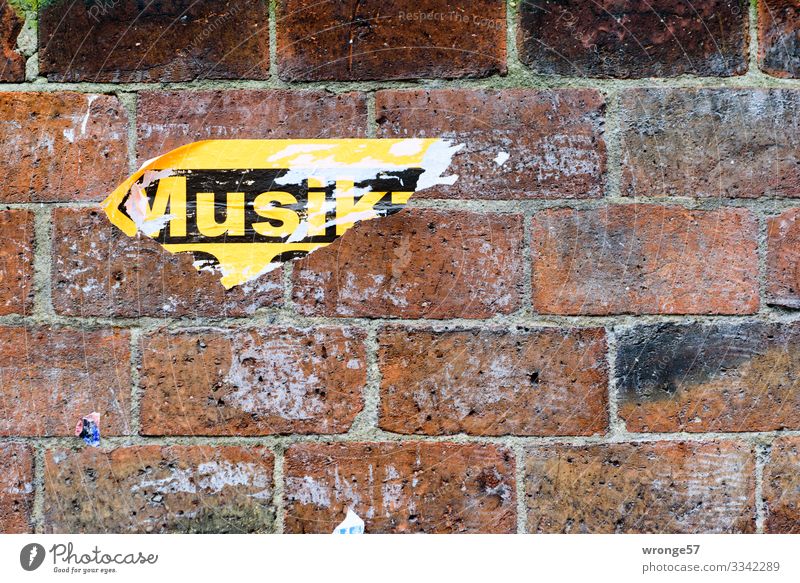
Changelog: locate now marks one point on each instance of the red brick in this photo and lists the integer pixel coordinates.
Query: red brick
(645, 259)
(166, 120)
(61, 146)
(642, 38)
(662, 487)
(16, 262)
(12, 63)
(779, 37)
(176, 489)
(16, 488)
(99, 271)
(543, 381)
(722, 143)
(51, 377)
(553, 139)
(252, 382)
(716, 377)
(782, 486)
(400, 487)
(172, 40)
(404, 39)
(416, 263)
(783, 259)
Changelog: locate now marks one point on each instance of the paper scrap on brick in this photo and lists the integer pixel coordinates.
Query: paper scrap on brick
(244, 206)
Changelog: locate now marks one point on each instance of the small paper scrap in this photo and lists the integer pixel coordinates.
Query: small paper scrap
(88, 429)
(352, 524)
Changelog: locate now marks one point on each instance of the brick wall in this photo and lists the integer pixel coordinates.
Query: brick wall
(597, 335)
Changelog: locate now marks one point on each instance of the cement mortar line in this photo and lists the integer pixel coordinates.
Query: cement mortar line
(42, 263)
(616, 426)
(136, 390)
(273, 38)
(278, 482)
(130, 103)
(752, 29)
(519, 480)
(367, 420)
(762, 509)
(37, 511)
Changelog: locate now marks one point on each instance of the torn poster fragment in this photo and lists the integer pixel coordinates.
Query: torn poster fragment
(352, 524)
(88, 429)
(242, 207)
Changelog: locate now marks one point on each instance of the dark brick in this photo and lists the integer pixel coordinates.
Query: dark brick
(181, 489)
(783, 259)
(642, 38)
(61, 146)
(99, 271)
(12, 63)
(252, 382)
(553, 139)
(645, 259)
(722, 143)
(400, 487)
(782, 486)
(166, 120)
(16, 488)
(405, 39)
(51, 377)
(662, 487)
(544, 381)
(717, 377)
(128, 41)
(16, 262)
(414, 264)
(779, 37)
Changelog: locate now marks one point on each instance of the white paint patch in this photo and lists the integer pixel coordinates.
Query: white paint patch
(501, 158)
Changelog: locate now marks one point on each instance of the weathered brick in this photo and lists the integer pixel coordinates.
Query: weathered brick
(642, 38)
(782, 486)
(723, 143)
(252, 382)
(779, 37)
(553, 140)
(783, 259)
(61, 146)
(157, 489)
(16, 488)
(715, 377)
(416, 263)
(12, 63)
(51, 377)
(543, 381)
(400, 40)
(171, 40)
(400, 487)
(666, 487)
(166, 120)
(16, 262)
(99, 271)
(645, 259)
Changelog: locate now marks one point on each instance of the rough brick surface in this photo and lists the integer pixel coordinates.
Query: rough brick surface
(645, 259)
(721, 377)
(779, 37)
(641, 38)
(111, 274)
(782, 486)
(723, 143)
(51, 377)
(16, 262)
(553, 140)
(416, 263)
(159, 489)
(394, 487)
(61, 146)
(12, 63)
(172, 40)
(16, 488)
(783, 259)
(372, 39)
(667, 487)
(166, 120)
(544, 381)
(252, 382)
